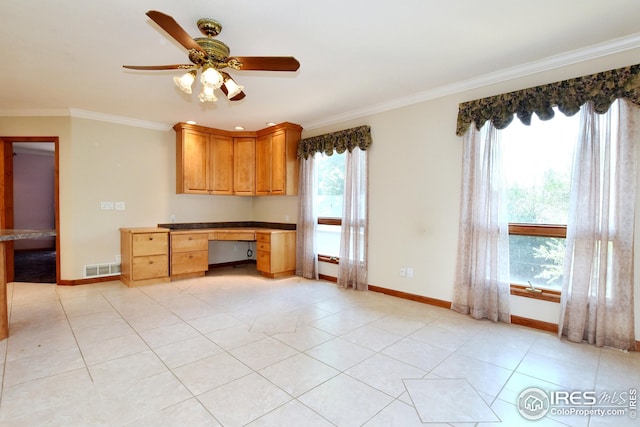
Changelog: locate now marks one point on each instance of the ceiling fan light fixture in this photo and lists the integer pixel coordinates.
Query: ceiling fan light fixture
(211, 77)
(233, 88)
(209, 56)
(207, 94)
(185, 81)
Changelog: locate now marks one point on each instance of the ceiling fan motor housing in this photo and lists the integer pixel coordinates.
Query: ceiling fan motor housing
(216, 50)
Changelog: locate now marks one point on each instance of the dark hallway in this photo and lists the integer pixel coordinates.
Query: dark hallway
(35, 266)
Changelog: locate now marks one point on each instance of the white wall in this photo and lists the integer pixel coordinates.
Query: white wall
(415, 170)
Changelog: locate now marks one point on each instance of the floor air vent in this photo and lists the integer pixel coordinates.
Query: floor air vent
(101, 270)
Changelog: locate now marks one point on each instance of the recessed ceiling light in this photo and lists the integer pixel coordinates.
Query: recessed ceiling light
(239, 128)
(270, 124)
(191, 122)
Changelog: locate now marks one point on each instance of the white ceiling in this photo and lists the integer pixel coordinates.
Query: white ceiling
(356, 56)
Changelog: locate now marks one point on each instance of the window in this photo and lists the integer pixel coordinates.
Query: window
(329, 203)
(537, 161)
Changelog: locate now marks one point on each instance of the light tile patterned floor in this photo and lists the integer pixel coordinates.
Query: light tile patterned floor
(236, 349)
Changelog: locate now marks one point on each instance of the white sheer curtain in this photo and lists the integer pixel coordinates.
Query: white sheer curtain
(597, 291)
(306, 256)
(481, 286)
(352, 269)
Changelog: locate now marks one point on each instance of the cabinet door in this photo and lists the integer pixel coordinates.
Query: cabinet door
(195, 162)
(221, 161)
(278, 163)
(263, 261)
(263, 165)
(244, 169)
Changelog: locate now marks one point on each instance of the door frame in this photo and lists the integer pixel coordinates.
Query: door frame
(6, 196)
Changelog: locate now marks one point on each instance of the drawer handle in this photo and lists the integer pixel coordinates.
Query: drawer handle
(190, 238)
(150, 238)
(190, 256)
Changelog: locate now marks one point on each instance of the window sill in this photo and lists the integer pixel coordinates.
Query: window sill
(329, 259)
(544, 294)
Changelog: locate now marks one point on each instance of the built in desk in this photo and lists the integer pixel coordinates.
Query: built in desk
(179, 251)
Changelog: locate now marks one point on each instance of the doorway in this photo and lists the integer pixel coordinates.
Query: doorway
(31, 176)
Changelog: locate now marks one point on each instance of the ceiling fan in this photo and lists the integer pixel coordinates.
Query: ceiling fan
(210, 56)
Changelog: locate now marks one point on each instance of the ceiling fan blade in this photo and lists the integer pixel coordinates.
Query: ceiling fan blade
(169, 24)
(268, 63)
(159, 67)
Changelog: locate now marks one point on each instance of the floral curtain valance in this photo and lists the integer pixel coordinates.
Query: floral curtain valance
(339, 142)
(568, 95)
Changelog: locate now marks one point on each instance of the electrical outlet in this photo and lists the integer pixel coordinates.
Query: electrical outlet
(119, 206)
(409, 271)
(118, 258)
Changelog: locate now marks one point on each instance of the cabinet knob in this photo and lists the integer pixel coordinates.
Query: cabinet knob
(150, 238)
(190, 238)
(150, 262)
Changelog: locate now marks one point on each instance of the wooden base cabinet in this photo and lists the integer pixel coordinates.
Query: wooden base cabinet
(189, 255)
(276, 253)
(145, 256)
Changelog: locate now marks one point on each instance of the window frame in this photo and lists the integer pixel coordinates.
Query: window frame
(329, 221)
(537, 230)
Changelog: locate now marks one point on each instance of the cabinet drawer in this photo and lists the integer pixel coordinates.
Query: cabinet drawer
(189, 262)
(189, 242)
(263, 237)
(263, 261)
(235, 235)
(149, 244)
(150, 267)
(263, 246)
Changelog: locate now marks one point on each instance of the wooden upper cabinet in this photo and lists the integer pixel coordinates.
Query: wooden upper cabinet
(263, 165)
(244, 166)
(213, 161)
(194, 173)
(277, 165)
(221, 158)
(204, 160)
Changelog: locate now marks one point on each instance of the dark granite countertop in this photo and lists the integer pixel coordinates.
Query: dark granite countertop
(230, 224)
(11, 234)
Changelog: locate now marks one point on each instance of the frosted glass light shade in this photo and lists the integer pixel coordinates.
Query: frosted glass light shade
(207, 94)
(232, 88)
(211, 77)
(185, 81)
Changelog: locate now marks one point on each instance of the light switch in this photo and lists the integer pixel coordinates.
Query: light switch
(106, 205)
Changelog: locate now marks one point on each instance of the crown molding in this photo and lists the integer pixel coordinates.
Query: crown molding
(85, 114)
(110, 118)
(596, 51)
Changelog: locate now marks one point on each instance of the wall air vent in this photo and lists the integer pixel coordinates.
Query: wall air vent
(101, 270)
